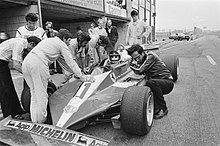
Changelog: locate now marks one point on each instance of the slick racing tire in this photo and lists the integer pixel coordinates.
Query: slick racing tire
(172, 63)
(137, 110)
(26, 95)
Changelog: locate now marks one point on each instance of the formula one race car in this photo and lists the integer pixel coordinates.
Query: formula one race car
(117, 95)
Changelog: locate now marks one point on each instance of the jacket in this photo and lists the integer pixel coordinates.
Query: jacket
(112, 35)
(152, 67)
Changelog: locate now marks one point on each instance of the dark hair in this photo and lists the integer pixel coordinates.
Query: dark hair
(31, 17)
(134, 13)
(83, 37)
(105, 40)
(64, 33)
(33, 39)
(30, 39)
(109, 19)
(134, 48)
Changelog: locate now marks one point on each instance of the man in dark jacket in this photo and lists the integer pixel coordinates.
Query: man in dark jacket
(159, 78)
(112, 32)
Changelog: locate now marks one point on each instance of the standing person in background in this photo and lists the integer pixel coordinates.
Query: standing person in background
(36, 71)
(137, 30)
(78, 30)
(31, 28)
(54, 67)
(100, 30)
(112, 32)
(49, 30)
(12, 49)
(91, 29)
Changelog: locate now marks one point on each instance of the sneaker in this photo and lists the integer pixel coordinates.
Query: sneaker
(18, 117)
(160, 114)
(25, 116)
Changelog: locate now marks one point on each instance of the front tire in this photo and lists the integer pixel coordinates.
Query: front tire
(137, 109)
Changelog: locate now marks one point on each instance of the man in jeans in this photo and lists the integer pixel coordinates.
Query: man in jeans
(159, 78)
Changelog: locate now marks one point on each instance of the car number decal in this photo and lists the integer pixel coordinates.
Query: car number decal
(82, 94)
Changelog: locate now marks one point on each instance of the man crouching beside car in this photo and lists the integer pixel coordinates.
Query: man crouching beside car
(159, 78)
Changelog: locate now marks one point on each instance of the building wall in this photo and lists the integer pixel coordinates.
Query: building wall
(11, 19)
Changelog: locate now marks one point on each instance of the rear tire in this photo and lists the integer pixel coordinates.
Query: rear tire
(172, 63)
(137, 109)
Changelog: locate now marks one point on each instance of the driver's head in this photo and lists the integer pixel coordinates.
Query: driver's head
(137, 53)
(83, 39)
(114, 57)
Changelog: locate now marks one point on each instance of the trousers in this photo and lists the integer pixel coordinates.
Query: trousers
(8, 97)
(159, 88)
(36, 74)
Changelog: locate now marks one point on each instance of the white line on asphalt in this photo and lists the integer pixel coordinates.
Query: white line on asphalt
(211, 60)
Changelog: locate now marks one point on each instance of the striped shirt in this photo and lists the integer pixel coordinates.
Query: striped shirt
(23, 32)
(12, 49)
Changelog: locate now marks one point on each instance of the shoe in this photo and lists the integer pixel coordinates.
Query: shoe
(18, 117)
(25, 116)
(160, 114)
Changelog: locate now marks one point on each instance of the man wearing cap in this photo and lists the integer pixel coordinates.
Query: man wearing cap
(137, 30)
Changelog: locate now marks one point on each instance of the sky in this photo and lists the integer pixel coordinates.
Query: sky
(185, 14)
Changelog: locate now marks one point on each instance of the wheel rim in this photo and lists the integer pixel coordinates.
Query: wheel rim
(150, 109)
(177, 68)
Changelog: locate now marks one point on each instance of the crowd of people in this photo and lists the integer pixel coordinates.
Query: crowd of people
(35, 52)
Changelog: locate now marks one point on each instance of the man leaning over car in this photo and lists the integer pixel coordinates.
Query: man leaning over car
(159, 78)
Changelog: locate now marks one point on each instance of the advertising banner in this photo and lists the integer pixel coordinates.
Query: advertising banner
(90, 4)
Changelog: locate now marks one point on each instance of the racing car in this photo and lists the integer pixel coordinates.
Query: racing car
(117, 95)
